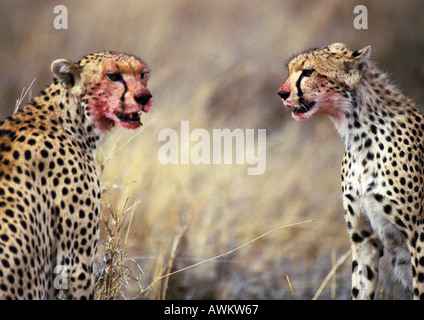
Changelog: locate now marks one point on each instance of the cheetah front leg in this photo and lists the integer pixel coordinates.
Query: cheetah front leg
(80, 282)
(416, 246)
(366, 253)
(74, 274)
(73, 278)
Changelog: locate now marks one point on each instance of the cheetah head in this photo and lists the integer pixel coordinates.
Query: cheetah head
(112, 86)
(319, 80)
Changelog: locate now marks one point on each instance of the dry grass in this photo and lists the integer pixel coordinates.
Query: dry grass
(217, 64)
(112, 272)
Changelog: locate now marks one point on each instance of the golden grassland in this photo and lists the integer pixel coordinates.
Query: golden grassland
(212, 231)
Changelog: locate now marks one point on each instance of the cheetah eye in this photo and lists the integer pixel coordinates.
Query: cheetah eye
(307, 72)
(114, 76)
(143, 75)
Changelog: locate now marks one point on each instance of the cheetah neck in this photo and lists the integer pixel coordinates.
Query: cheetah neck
(375, 106)
(69, 111)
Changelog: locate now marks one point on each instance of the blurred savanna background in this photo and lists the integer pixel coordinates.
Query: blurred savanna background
(217, 64)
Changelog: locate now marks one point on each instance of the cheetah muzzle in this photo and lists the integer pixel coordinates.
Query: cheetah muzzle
(132, 117)
(306, 106)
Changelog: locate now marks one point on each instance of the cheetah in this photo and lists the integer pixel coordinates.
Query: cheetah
(382, 168)
(49, 190)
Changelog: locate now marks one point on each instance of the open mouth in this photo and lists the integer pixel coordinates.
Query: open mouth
(128, 118)
(305, 107)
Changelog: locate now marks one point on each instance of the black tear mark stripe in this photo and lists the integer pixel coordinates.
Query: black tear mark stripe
(123, 94)
(299, 89)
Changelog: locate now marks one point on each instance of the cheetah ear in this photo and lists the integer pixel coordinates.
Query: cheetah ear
(354, 67)
(363, 54)
(66, 72)
(337, 45)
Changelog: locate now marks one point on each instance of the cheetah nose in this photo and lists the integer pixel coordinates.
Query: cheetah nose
(283, 94)
(143, 98)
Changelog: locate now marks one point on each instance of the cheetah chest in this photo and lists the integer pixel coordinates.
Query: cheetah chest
(362, 181)
(361, 175)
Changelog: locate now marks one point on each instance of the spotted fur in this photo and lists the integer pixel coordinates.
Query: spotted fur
(49, 191)
(382, 169)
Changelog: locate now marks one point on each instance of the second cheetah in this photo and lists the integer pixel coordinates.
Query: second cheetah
(49, 190)
(382, 169)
